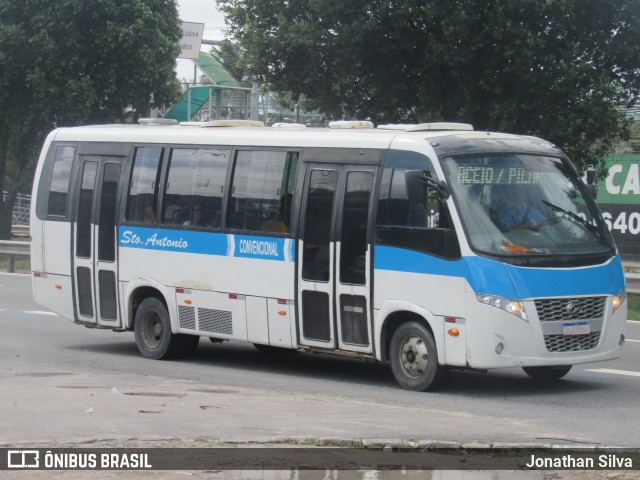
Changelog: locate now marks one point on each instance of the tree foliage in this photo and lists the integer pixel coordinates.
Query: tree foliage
(559, 69)
(73, 62)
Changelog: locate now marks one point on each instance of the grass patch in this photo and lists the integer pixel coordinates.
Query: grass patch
(21, 264)
(634, 307)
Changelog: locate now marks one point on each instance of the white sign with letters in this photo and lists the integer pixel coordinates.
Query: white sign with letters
(191, 40)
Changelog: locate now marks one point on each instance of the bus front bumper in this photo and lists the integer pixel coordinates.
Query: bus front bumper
(499, 339)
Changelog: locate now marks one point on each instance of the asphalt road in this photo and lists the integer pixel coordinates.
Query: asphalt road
(62, 383)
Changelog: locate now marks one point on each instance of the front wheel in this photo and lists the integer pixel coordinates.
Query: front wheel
(414, 358)
(547, 373)
(153, 334)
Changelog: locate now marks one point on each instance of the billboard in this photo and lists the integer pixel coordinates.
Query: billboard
(618, 196)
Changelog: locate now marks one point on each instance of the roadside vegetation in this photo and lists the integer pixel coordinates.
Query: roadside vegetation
(634, 307)
(69, 63)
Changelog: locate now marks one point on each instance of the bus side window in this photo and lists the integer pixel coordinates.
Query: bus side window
(262, 191)
(143, 188)
(411, 214)
(195, 187)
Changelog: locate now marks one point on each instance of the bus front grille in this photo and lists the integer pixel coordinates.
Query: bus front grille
(571, 343)
(579, 308)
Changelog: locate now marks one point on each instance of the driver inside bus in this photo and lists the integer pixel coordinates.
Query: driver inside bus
(513, 210)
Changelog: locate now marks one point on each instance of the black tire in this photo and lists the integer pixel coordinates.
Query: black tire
(414, 358)
(153, 334)
(273, 350)
(547, 373)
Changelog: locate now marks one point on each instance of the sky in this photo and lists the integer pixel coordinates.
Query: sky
(199, 11)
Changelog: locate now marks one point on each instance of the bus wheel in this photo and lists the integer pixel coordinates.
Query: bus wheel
(547, 373)
(414, 358)
(153, 333)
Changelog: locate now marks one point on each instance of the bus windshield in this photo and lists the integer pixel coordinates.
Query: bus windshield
(519, 205)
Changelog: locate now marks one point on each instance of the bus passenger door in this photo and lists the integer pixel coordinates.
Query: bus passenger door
(94, 232)
(334, 257)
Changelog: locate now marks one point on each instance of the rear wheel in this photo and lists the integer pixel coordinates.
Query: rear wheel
(547, 373)
(153, 334)
(414, 358)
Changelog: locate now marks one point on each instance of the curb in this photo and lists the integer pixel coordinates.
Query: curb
(298, 442)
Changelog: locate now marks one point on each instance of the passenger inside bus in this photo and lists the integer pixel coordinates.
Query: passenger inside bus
(176, 209)
(280, 223)
(198, 217)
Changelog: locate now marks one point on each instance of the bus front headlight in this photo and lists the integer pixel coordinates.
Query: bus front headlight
(618, 300)
(513, 307)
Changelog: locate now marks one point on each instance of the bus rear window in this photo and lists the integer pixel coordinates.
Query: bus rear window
(59, 187)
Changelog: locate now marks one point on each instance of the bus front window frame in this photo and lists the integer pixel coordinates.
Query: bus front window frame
(554, 204)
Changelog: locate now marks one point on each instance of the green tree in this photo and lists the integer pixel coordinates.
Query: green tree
(559, 69)
(73, 62)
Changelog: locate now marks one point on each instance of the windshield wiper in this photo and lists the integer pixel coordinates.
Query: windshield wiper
(578, 219)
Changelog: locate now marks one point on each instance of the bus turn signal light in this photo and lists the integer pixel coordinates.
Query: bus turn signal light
(454, 332)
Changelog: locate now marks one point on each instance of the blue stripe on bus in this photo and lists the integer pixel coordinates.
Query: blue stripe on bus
(496, 278)
(207, 243)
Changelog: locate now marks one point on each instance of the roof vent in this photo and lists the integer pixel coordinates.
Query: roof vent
(440, 126)
(423, 127)
(351, 124)
(157, 121)
(396, 126)
(288, 125)
(233, 123)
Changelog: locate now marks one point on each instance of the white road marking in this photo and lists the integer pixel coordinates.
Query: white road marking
(610, 371)
(41, 312)
(631, 340)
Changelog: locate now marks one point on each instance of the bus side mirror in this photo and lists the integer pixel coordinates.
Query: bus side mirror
(417, 182)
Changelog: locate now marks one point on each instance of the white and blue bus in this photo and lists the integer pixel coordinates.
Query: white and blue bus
(429, 246)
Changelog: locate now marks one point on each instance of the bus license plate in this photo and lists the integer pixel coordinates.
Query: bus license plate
(576, 328)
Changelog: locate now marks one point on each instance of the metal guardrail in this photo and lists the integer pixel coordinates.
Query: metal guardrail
(14, 249)
(633, 282)
(20, 230)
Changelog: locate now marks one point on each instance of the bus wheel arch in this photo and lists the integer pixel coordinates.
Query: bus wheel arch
(392, 322)
(410, 347)
(136, 298)
(151, 324)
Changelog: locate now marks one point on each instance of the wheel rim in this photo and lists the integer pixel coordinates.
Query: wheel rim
(414, 357)
(152, 331)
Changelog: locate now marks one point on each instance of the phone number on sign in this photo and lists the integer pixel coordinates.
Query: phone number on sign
(624, 222)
